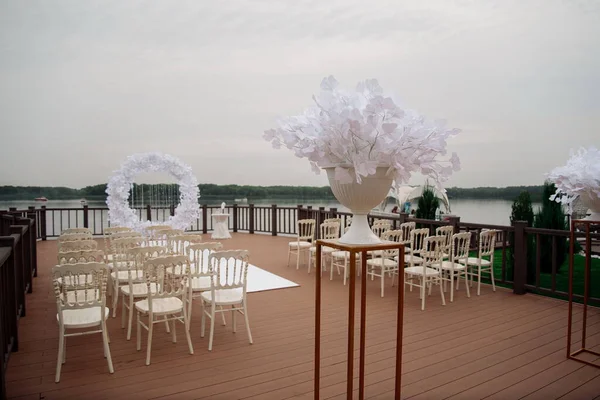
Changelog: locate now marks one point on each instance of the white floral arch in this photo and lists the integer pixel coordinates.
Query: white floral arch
(119, 212)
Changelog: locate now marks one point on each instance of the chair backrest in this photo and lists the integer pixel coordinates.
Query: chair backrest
(200, 253)
(446, 231)
(330, 230)
(80, 256)
(434, 248)
(306, 230)
(120, 247)
(487, 243)
(138, 256)
(71, 231)
(71, 237)
(162, 284)
(380, 226)
(153, 231)
(181, 243)
(460, 247)
(111, 230)
(164, 237)
(77, 245)
(230, 268)
(417, 240)
(406, 229)
(338, 220)
(81, 285)
(392, 236)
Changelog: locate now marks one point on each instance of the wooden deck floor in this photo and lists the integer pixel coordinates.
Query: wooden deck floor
(497, 345)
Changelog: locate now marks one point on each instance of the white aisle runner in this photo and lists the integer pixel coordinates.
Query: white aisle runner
(260, 280)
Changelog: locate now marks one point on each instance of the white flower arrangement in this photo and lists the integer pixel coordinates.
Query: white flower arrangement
(358, 131)
(579, 177)
(119, 212)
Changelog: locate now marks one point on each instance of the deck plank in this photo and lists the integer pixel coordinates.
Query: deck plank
(497, 344)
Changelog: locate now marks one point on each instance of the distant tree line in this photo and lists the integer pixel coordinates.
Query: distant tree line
(254, 192)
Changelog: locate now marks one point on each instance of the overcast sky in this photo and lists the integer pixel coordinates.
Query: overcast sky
(85, 83)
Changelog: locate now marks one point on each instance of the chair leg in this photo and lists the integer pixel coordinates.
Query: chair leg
(174, 331)
(188, 319)
(107, 348)
(149, 346)
(466, 282)
(212, 327)
(167, 327)
(59, 360)
(289, 256)
(129, 317)
(309, 261)
(422, 289)
(233, 313)
(223, 317)
(382, 279)
(123, 313)
(64, 360)
(138, 333)
(442, 293)
(452, 287)
(491, 276)
(203, 320)
(247, 323)
(186, 322)
(298, 258)
(115, 297)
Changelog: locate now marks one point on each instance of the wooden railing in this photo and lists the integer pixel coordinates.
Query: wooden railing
(18, 266)
(511, 259)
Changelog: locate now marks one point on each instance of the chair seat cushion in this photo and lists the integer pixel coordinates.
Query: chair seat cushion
(324, 250)
(139, 289)
(166, 305)
(83, 317)
(201, 283)
(124, 275)
(304, 245)
(474, 261)
(119, 264)
(382, 262)
(452, 265)
(419, 271)
(415, 259)
(224, 296)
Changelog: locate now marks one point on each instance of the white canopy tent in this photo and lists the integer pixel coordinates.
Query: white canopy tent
(409, 193)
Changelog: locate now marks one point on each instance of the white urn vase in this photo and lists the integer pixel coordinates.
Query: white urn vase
(592, 202)
(360, 198)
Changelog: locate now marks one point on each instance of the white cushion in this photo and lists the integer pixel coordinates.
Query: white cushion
(83, 317)
(166, 305)
(139, 289)
(120, 264)
(224, 296)
(474, 261)
(419, 271)
(201, 283)
(415, 259)
(324, 249)
(124, 275)
(382, 262)
(304, 245)
(450, 265)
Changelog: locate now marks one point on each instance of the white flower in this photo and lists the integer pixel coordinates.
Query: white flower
(360, 130)
(581, 175)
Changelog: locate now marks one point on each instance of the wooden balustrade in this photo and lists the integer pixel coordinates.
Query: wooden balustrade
(18, 266)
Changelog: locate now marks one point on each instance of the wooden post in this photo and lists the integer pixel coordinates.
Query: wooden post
(12, 209)
(86, 223)
(235, 217)
(148, 212)
(403, 217)
(300, 211)
(251, 218)
(204, 219)
(172, 210)
(17, 230)
(10, 296)
(43, 223)
(32, 217)
(333, 211)
(28, 245)
(455, 222)
(273, 219)
(520, 258)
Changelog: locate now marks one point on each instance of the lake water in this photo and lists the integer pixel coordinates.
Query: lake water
(495, 212)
